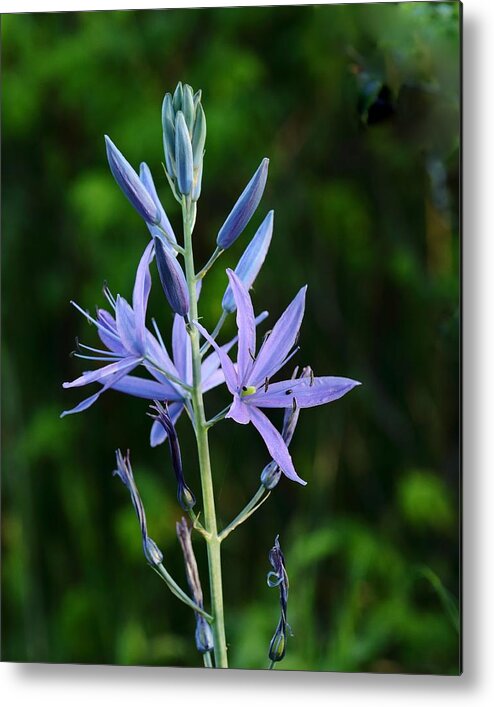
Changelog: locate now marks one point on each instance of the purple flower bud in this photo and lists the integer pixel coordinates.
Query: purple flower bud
(129, 182)
(245, 207)
(251, 261)
(203, 635)
(172, 279)
(183, 155)
(147, 179)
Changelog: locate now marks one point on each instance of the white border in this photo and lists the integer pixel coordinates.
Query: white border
(79, 686)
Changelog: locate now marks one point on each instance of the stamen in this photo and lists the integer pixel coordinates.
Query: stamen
(289, 391)
(252, 355)
(294, 405)
(108, 295)
(266, 384)
(158, 334)
(266, 336)
(311, 378)
(96, 358)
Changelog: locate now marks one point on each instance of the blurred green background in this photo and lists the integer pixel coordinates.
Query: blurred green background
(357, 107)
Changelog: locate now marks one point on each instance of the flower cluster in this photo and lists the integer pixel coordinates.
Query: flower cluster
(198, 361)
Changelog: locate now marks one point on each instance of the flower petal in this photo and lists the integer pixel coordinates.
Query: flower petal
(182, 349)
(251, 261)
(231, 378)
(102, 374)
(275, 444)
(246, 327)
(278, 344)
(144, 388)
(85, 404)
(211, 362)
(126, 325)
(305, 391)
(140, 295)
(239, 412)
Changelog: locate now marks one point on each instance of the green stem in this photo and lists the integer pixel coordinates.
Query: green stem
(205, 347)
(207, 660)
(256, 501)
(209, 264)
(178, 592)
(213, 541)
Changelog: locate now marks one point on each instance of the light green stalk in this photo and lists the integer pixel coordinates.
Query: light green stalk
(201, 430)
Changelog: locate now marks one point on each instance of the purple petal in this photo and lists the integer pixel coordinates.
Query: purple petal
(231, 378)
(251, 261)
(239, 411)
(144, 388)
(278, 344)
(246, 327)
(182, 349)
(212, 381)
(306, 392)
(107, 332)
(211, 362)
(102, 374)
(158, 433)
(126, 325)
(275, 444)
(140, 295)
(85, 404)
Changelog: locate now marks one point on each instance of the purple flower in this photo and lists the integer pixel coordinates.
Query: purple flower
(152, 552)
(250, 381)
(211, 373)
(128, 345)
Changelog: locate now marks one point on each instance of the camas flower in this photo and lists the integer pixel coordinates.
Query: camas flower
(211, 373)
(129, 345)
(250, 381)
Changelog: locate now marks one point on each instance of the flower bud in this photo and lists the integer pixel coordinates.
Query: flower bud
(203, 635)
(251, 261)
(172, 279)
(270, 475)
(183, 155)
(163, 224)
(129, 182)
(245, 207)
(277, 646)
(184, 135)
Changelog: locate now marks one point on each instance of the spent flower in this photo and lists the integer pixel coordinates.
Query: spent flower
(152, 552)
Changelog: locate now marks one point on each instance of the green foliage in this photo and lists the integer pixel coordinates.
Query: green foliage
(364, 183)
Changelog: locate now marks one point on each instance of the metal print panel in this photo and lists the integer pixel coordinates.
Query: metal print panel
(231, 337)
